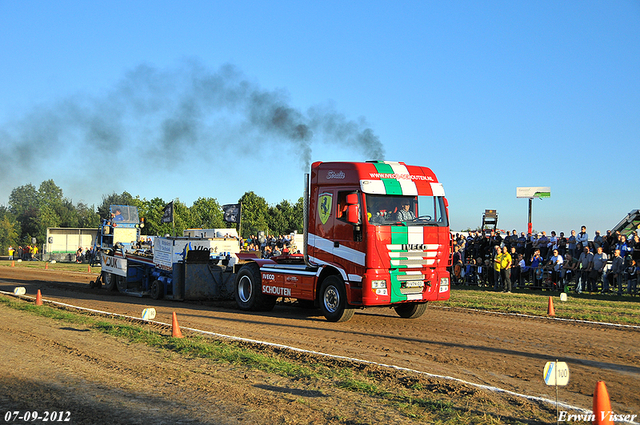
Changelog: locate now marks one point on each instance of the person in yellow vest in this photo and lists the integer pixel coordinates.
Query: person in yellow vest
(497, 260)
(505, 269)
(11, 252)
(34, 251)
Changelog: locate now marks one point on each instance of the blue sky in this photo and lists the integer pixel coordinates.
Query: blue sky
(159, 99)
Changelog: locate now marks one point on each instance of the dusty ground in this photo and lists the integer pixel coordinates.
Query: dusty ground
(100, 379)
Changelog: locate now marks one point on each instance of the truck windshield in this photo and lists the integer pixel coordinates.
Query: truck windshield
(384, 210)
(124, 213)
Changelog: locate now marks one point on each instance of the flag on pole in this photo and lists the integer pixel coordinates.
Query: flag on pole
(167, 215)
(231, 213)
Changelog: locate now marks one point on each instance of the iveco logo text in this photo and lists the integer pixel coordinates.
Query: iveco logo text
(333, 175)
(276, 290)
(407, 246)
(266, 276)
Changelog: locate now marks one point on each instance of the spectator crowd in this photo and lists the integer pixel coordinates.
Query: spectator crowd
(269, 246)
(605, 263)
(26, 253)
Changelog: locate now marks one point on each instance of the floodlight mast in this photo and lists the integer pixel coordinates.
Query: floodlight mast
(530, 193)
(530, 225)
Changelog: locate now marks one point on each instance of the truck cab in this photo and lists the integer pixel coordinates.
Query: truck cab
(377, 235)
(121, 229)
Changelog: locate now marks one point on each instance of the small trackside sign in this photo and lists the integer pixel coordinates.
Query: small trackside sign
(556, 373)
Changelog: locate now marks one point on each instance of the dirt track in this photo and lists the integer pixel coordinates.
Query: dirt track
(503, 351)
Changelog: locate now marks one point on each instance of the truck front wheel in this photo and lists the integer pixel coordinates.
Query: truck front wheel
(411, 311)
(248, 290)
(109, 280)
(333, 300)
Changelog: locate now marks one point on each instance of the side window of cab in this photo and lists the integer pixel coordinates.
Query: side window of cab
(348, 207)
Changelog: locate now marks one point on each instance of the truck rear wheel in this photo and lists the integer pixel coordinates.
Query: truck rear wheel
(411, 311)
(333, 300)
(121, 284)
(109, 280)
(248, 290)
(157, 290)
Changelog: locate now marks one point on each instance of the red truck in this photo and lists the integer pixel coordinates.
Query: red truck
(376, 235)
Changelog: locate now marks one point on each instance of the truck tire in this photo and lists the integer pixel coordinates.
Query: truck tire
(121, 284)
(411, 311)
(333, 300)
(109, 280)
(157, 290)
(248, 290)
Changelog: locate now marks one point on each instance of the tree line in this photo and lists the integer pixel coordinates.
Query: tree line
(32, 210)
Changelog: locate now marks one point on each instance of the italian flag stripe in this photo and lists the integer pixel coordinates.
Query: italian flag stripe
(408, 186)
(392, 186)
(399, 235)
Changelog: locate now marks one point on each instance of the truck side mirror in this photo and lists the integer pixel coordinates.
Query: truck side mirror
(353, 214)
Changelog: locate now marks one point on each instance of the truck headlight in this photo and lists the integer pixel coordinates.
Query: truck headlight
(444, 284)
(378, 284)
(379, 287)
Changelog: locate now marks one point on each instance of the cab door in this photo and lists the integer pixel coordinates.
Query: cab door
(322, 230)
(348, 243)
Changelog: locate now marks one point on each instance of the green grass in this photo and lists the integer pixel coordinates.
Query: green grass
(599, 308)
(413, 399)
(69, 267)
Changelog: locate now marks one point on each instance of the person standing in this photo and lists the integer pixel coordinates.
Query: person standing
(571, 244)
(11, 251)
(597, 271)
(505, 269)
(617, 270)
(562, 244)
(497, 261)
(585, 263)
(583, 237)
(598, 240)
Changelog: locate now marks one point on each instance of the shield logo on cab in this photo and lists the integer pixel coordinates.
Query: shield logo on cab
(324, 206)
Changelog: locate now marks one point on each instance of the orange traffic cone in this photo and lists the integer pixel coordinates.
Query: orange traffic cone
(13, 264)
(175, 328)
(46, 266)
(89, 269)
(38, 298)
(550, 310)
(601, 405)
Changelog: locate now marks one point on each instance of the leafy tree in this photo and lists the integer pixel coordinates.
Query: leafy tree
(181, 217)
(49, 193)
(124, 198)
(297, 222)
(207, 214)
(9, 230)
(23, 199)
(277, 220)
(152, 211)
(87, 217)
(24, 204)
(255, 211)
(68, 214)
